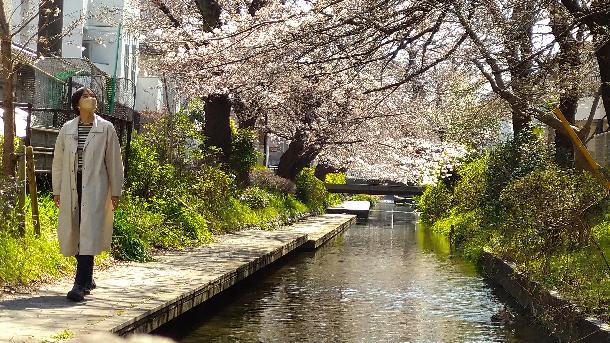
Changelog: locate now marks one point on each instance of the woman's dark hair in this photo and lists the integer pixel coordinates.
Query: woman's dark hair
(76, 98)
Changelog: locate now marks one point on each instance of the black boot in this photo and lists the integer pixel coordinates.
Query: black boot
(77, 293)
(84, 273)
(89, 282)
(90, 286)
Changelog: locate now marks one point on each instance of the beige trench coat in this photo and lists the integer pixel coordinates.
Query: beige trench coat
(102, 178)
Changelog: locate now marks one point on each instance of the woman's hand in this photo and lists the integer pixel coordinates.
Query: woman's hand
(115, 202)
(56, 199)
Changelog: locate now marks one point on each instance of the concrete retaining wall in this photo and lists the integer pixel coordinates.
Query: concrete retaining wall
(561, 317)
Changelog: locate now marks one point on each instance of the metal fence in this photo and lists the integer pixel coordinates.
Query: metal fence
(45, 90)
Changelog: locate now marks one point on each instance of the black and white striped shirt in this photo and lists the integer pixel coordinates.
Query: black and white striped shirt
(83, 132)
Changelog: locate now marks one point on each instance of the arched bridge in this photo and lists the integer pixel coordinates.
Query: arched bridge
(375, 189)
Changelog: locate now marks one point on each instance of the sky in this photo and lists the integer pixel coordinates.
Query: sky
(20, 121)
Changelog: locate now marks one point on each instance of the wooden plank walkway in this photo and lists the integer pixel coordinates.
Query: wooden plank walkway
(140, 297)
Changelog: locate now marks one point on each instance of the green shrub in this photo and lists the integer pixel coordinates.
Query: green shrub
(469, 192)
(552, 222)
(263, 177)
(511, 160)
(311, 191)
(130, 241)
(335, 179)
(434, 203)
(545, 211)
(244, 152)
(31, 258)
(255, 197)
(468, 235)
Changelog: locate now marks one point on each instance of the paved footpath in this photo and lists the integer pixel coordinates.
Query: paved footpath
(139, 297)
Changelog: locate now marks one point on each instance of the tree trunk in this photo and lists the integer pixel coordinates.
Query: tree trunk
(217, 123)
(519, 47)
(295, 159)
(8, 149)
(520, 121)
(570, 47)
(564, 149)
(210, 11)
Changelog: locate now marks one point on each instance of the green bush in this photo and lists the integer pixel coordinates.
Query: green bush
(550, 221)
(467, 233)
(263, 177)
(335, 179)
(434, 203)
(255, 197)
(544, 211)
(469, 192)
(311, 191)
(244, 152)
(31, 258)
(511, 160)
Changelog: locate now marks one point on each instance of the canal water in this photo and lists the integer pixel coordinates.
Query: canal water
(385, 280)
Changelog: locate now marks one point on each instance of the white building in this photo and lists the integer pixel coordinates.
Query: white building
(98, 30)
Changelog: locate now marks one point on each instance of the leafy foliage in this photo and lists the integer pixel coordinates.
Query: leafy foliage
(266, 179)
(311, 190)
(244, 152)
(516, 201)
(255, 197)
(336, 179)
(435, 202)
(31, 258)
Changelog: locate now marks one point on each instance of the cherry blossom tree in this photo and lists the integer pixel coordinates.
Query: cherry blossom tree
(314, 72)
(326, 74)
(532, 54)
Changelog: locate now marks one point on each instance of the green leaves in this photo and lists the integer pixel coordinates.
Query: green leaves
(311, 190)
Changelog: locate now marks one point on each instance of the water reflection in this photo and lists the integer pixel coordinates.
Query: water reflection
(383, 281)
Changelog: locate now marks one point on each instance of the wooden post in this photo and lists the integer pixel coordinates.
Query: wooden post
(29, 153)
(21, 190)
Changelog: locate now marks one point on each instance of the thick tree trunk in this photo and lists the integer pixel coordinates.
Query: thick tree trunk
(569, 60)
(520, 121)
(564, 149)
(210, 11)
(217, 123)
(519, 48)
(297, 157)
(8, 149)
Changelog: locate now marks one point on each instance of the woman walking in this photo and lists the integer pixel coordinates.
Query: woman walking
(87, 176)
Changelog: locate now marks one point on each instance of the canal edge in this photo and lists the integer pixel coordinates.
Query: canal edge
(562, 318)
(162, 314)
(315, 240)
